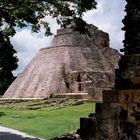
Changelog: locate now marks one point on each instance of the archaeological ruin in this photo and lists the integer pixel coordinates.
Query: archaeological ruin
(118, 117)
(73, 63)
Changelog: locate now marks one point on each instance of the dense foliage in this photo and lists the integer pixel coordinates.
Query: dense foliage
(8, 62)
(23, 13)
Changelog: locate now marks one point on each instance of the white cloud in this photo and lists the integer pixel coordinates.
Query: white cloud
(108, 19)
(27, 45)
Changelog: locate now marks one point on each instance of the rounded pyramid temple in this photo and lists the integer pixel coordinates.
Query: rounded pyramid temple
(74, 63)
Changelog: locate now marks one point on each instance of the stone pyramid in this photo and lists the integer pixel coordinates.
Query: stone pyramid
(73, 63)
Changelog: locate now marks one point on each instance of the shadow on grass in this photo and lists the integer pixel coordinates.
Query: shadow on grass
(2, 114)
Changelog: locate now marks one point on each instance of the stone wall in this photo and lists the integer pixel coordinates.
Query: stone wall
(118, 117)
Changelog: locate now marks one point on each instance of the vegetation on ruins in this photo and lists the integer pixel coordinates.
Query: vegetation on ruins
(22, 13)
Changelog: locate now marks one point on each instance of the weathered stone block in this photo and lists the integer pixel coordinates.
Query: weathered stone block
(125, 96)
(110, 96)
(134, 112)
(138, 130)
(136, 80)
(126, 73)
(136, 96)
(122, 83)
(130, 83)
(107, 111)
(127, 131)
(124, 106)
(88, 128)
(121, 96)
(129, 61)
(127, 125)
(131, 112)
(108, 129)
(95, 94)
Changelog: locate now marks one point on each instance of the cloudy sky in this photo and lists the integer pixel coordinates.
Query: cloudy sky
(107, 17)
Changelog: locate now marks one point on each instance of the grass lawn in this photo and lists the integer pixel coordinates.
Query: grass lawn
(45, 123)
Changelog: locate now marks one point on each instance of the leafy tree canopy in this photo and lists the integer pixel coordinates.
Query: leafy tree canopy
(8, 62)
(21, 13)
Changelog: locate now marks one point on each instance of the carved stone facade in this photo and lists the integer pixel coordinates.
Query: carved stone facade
(91, 82)
(118, 117)
(73, 63)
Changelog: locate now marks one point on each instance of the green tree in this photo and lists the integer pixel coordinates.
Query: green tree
(23, 13)
(8, 62)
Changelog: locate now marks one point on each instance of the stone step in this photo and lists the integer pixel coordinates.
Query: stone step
(71, 95)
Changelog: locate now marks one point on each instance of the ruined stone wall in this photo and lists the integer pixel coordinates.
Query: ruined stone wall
(118, 117)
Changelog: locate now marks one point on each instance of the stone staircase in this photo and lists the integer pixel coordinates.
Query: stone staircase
(72, 95)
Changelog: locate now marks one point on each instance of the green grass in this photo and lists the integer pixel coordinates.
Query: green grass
(46, 123)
